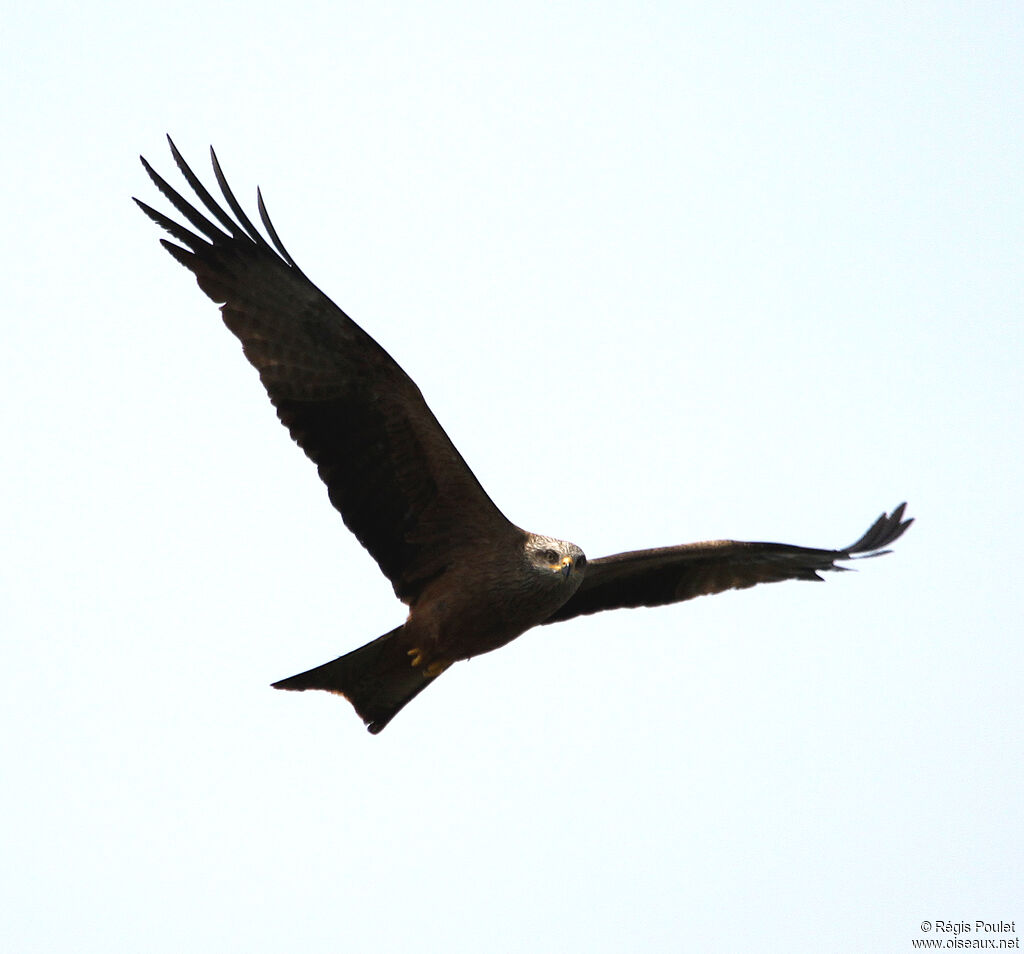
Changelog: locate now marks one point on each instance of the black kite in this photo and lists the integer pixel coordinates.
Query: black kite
(473, 581)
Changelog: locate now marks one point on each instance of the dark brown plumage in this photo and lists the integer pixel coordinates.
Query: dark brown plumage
(473, 581)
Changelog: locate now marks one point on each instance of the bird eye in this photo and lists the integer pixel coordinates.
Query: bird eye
(581, 561)
(551, 556)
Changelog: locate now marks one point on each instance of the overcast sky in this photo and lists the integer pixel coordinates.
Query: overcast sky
(665, 272)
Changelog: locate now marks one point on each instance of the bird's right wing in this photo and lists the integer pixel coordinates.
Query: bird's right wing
(673, 574)
(390, 469)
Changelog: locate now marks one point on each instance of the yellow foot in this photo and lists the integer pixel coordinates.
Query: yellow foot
(432, 669)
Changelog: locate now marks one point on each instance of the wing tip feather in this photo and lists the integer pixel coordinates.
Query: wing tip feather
(887, 529)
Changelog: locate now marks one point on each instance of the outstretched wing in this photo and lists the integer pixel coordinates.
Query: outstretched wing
(390, 469)
(673, 574)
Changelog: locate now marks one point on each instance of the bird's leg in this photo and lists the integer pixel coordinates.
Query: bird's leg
(431, 670)
(417, 656)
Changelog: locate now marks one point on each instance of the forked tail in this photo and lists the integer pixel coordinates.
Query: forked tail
(378, 679)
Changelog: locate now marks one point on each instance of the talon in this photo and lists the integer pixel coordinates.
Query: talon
(417, 656)
(435, 669)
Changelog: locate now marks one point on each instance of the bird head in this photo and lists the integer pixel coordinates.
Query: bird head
(557, 560)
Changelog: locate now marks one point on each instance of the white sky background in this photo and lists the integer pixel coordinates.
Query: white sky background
(664, 273)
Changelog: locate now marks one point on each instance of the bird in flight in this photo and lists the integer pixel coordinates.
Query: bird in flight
(473, 581)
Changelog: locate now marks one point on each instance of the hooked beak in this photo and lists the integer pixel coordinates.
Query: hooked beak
(566, 566)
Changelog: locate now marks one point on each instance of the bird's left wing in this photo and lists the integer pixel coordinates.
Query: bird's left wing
(673, 574)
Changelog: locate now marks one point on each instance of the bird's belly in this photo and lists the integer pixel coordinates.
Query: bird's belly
(450, 630)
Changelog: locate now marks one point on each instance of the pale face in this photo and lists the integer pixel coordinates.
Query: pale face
(558, 559)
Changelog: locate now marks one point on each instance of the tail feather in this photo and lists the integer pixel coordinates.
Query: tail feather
(376, 678)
